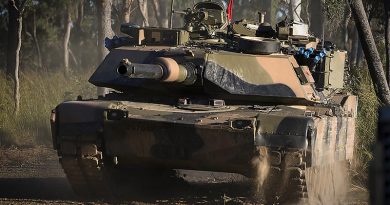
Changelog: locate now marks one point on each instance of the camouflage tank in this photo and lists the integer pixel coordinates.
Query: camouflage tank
(216, 95)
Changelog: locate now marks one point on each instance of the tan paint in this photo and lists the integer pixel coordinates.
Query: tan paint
(326, 148)
(264, 70)
(350, 142)
(172, 67)
(281, 71)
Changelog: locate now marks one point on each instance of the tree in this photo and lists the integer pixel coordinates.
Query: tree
(370, 50)
(347, 17)
(68, 28)
(387, 38)
(122, 10)
(15, 23)
(160, 9)
(104, 30)
(353, 54)
(157, 12)
(295, 9)
(268, 10)
(143, 7)
(34, 37)
(126, 10)
(104, 25)
(80, 14)
(78, 32)
(317, 17)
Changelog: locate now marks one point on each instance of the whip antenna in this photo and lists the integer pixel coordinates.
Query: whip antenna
(171, 14)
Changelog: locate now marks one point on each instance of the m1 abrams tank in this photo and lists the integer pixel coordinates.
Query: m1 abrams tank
(216, 95)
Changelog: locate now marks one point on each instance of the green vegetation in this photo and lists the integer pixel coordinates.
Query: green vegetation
(40, 92)
(366, 124)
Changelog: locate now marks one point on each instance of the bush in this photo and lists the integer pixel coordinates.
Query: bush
(40, 93)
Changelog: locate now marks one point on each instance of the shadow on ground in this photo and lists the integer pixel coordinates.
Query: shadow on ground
(36, 188)
(147, 192)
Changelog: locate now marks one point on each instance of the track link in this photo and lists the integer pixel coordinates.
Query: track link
(83, 165)
(286, 182)
(89, 177)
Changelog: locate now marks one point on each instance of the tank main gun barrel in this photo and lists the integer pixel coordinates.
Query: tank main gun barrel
(162, 69)
(136, 70)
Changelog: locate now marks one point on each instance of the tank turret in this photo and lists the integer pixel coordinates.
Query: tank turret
(229, 60)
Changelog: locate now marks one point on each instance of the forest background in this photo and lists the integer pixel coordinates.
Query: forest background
(48, 49)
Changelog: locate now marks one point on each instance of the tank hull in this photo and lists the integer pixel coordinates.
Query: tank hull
(277, 146)
(224, 139)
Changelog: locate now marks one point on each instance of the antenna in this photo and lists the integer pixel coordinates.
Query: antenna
(171, 14)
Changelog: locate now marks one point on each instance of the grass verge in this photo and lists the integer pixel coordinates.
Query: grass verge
(40, 93)
(367, 122)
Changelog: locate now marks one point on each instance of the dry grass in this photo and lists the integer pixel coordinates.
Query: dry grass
(366, 125)
(40, 93)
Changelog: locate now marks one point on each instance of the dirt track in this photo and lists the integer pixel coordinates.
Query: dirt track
(34, 176)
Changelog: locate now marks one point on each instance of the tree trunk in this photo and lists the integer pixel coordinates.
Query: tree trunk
(347, 18)
(15, 24)
(370, 51)
(317, 17)
(161, 14)
(68, 23)
(104, 30)
(268, 10)
(164, 7)
(295, 10)
(80, 14)
(36, 42)
(75, 61)
(157, 12)
(359, 56)
(34, 37)
(77, 33)
(354, 48)
(143, 7)
(307, 14)
(104, 26)
(387, 38)
(126, 12)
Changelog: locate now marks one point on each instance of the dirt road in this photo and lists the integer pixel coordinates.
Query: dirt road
(34, 176)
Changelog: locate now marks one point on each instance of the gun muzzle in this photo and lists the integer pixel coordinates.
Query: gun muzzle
(163, 69)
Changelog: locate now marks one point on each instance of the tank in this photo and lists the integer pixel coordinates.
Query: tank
(267, 102)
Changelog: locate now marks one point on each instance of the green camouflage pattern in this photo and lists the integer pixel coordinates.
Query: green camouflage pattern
(185, 99)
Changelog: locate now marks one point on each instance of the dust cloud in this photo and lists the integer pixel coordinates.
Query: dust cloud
(327, 184)
(261, 164)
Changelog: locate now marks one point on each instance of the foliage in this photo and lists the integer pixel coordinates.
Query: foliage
(366, 122)
(335, 9)
(40, 92)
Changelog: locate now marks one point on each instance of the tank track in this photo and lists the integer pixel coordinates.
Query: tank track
(286, 182)
(83, 165)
